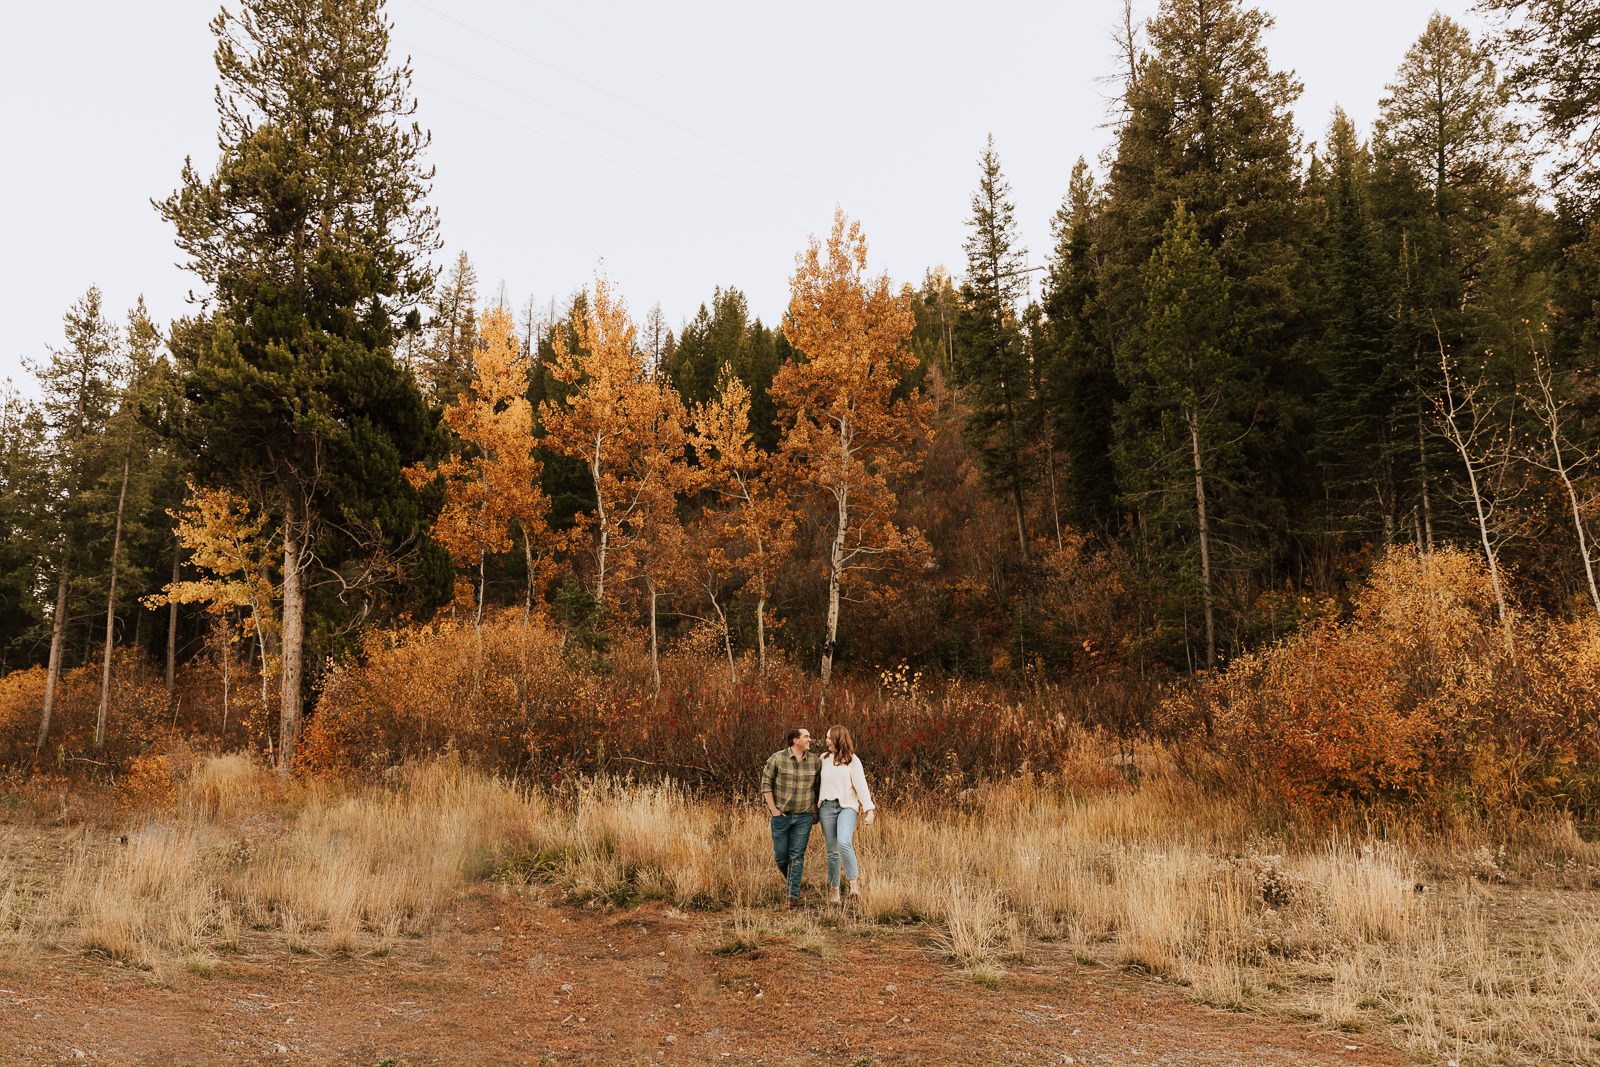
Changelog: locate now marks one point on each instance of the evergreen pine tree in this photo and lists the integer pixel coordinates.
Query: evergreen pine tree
(991, 356)
(449, 359)
(24, 528)
(80, 384)
(314, 237)
(1080, 372)
(1359, 441)
(1190, 390)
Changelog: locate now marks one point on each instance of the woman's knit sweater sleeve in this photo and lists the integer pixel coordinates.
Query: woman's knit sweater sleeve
(858, 778)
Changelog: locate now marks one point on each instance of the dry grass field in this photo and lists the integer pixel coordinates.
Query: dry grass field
(1449, 949)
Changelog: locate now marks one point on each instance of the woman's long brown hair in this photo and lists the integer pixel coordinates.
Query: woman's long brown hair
(843, 750)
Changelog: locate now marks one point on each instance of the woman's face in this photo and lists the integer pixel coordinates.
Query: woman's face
(830, 741)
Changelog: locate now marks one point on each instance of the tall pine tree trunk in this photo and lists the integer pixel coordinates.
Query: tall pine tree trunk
(1205, 544)
(111, 618)
(294, 632)
(58, 643)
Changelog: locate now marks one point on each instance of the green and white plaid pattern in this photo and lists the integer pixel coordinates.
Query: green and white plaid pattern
(793, 783)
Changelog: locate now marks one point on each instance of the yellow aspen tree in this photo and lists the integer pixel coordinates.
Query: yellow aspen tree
(850, 437)
(654, 472)
(216, 526)
(597, 422)
(492, 487)
(753, 528)
(627, 427)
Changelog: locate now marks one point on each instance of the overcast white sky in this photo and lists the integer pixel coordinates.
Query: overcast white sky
(691, 144)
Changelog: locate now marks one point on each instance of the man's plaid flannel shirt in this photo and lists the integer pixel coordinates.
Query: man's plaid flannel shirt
(793, 783)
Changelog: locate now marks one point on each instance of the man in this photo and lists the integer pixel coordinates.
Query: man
(789, 784)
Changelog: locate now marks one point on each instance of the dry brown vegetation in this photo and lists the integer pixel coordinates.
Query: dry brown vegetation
(1369, 826)
(1353, 929)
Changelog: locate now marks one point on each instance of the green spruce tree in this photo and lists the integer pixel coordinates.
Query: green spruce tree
(991, 355)
(1191, 391)
(80, 385)
(1080, 368)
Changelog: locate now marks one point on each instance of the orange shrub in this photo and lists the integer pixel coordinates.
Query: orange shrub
(138, 715)
(1414, 695)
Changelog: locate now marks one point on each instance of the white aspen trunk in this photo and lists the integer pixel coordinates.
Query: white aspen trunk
(835, 573)
(761, 632)
(605, 530)
(294, 534)
(655, 662)
(111, 618)
(224, 627)
(1422, 451)
(1488, 551)
(58, 641)
(527, 609)
(111, 615)
(1205, 545)
(172, 630)
(477, 628)
(527, 603)
(727, 637)
(1552, 422)
(1453, 432)
(1427, 508)
(1583, 545)
(1055, 507)
(1022, 530)
(261, 649)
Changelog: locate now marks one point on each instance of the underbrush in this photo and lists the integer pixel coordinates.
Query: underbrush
(511, 698)
(1417, 697)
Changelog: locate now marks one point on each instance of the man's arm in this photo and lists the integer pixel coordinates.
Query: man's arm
(769, 773)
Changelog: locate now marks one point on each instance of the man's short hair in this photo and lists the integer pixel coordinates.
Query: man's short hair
(794, 735)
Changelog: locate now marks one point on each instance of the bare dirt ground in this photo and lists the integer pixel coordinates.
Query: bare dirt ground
(515, 979)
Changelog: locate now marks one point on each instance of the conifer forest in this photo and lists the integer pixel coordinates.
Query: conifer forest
(1294, 464)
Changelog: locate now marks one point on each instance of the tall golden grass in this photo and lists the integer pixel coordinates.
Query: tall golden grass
(1165, 878)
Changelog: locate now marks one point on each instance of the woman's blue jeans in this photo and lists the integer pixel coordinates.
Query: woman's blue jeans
(838, 833)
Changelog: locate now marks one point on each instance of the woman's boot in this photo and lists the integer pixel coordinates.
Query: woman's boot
(833, 893)
(855, 889)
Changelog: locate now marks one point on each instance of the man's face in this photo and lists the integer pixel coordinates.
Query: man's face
(802, 744)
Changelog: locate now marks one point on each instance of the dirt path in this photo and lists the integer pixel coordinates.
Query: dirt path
(514, 981)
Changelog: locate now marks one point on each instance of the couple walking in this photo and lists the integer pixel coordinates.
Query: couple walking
(799, 790)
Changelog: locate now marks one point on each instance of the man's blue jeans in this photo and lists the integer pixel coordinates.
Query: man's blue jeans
(839, 831)
(790, 835)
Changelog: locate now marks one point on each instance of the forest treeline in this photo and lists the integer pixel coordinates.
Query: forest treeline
(1260, 362)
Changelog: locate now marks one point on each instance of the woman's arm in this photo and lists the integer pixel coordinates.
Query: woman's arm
(858, 778)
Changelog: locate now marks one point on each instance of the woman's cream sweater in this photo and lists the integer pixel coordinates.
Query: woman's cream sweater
(846, 784)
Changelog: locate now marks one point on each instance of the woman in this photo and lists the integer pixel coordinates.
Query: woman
(844, 797)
